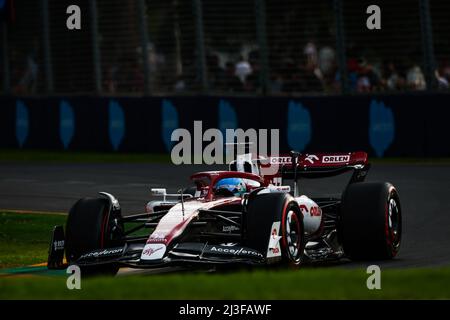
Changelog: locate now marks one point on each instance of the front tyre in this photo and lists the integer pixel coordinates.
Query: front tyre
(371, 221)
(265, 209)
(292, 234)
(91, 226)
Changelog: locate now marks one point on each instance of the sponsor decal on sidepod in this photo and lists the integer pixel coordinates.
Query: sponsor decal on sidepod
(229, 228)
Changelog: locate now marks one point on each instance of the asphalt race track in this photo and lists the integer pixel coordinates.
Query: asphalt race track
(424, 192)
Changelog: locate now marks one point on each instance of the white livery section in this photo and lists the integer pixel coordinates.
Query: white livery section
(274, 249)
(312, 214)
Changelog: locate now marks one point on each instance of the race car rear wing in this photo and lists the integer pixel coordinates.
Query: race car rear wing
(296, 165)
(318, 165)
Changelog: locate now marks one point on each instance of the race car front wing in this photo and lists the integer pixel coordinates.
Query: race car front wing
(181, 253)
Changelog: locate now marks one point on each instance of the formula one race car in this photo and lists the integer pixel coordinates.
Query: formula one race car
(240, 216)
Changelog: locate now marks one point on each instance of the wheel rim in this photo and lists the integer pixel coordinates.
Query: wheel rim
(293, 234)
(394, 223)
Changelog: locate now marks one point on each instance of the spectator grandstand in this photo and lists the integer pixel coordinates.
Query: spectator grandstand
(223, 47)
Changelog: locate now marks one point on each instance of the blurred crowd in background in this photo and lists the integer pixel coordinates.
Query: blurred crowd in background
(222, 53)
(315, 70)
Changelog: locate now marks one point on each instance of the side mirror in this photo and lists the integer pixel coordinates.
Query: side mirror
(159, 192)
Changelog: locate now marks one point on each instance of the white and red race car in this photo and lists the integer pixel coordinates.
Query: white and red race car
(239, 216)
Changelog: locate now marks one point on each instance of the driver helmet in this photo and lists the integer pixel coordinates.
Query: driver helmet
(235, 185)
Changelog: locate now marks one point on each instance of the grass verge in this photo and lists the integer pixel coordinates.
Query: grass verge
(308, 283)
(24, 238)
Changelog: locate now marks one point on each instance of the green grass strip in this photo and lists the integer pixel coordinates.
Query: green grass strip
(24, 238)
(307, 283)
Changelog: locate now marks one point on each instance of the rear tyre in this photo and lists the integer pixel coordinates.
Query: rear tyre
(371, 221)
(267, 208)
(90, 226)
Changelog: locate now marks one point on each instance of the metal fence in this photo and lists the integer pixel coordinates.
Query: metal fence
(237, 47)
